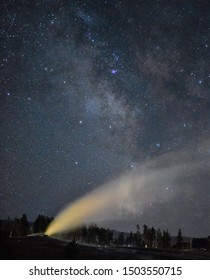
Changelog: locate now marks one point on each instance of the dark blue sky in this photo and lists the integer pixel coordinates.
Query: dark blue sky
(91, 89)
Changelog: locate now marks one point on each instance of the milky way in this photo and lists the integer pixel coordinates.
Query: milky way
(93, 89)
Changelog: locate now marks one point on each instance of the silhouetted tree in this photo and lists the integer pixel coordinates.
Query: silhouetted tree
(4, 233)
(166, 239)
(145, 235)
(179, 240)
(84, 233)
(5, 229)
(16, 227)
(24, 225)
(92, 233)
(151, 236)
(138, 236)
(145, 231)
(41, 223)
(121, 238)
(131, 238)
(109, 236)
(102, 236)
(159, 238)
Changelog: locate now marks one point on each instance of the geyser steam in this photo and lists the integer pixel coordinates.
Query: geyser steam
(135, 191)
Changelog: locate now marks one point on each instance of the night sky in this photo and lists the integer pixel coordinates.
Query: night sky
(92, 89)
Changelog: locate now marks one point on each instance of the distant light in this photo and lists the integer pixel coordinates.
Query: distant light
(76, 162)
(80, 122)
(157, 145)
(8, 93)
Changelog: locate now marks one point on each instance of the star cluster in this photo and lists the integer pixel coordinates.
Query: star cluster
(91, 89)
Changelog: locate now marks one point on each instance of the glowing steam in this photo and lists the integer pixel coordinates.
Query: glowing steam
(157, 180)
(76, 213)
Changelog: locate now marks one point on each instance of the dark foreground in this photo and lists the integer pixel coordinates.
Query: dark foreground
(44, 248)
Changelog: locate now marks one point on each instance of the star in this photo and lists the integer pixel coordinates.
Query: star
(114, 71)
(115, 56)
(132, 165)
(96, 91)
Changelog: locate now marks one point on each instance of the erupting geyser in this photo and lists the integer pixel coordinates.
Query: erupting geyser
(133, 192)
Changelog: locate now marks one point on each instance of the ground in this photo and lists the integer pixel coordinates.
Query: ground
(44, 248)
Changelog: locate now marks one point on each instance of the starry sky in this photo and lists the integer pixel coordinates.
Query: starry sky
(92, 89)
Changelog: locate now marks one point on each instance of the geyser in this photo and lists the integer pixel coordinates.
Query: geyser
(157, 180)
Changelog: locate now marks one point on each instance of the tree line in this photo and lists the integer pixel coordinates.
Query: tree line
(148, 238)
(22, 227)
